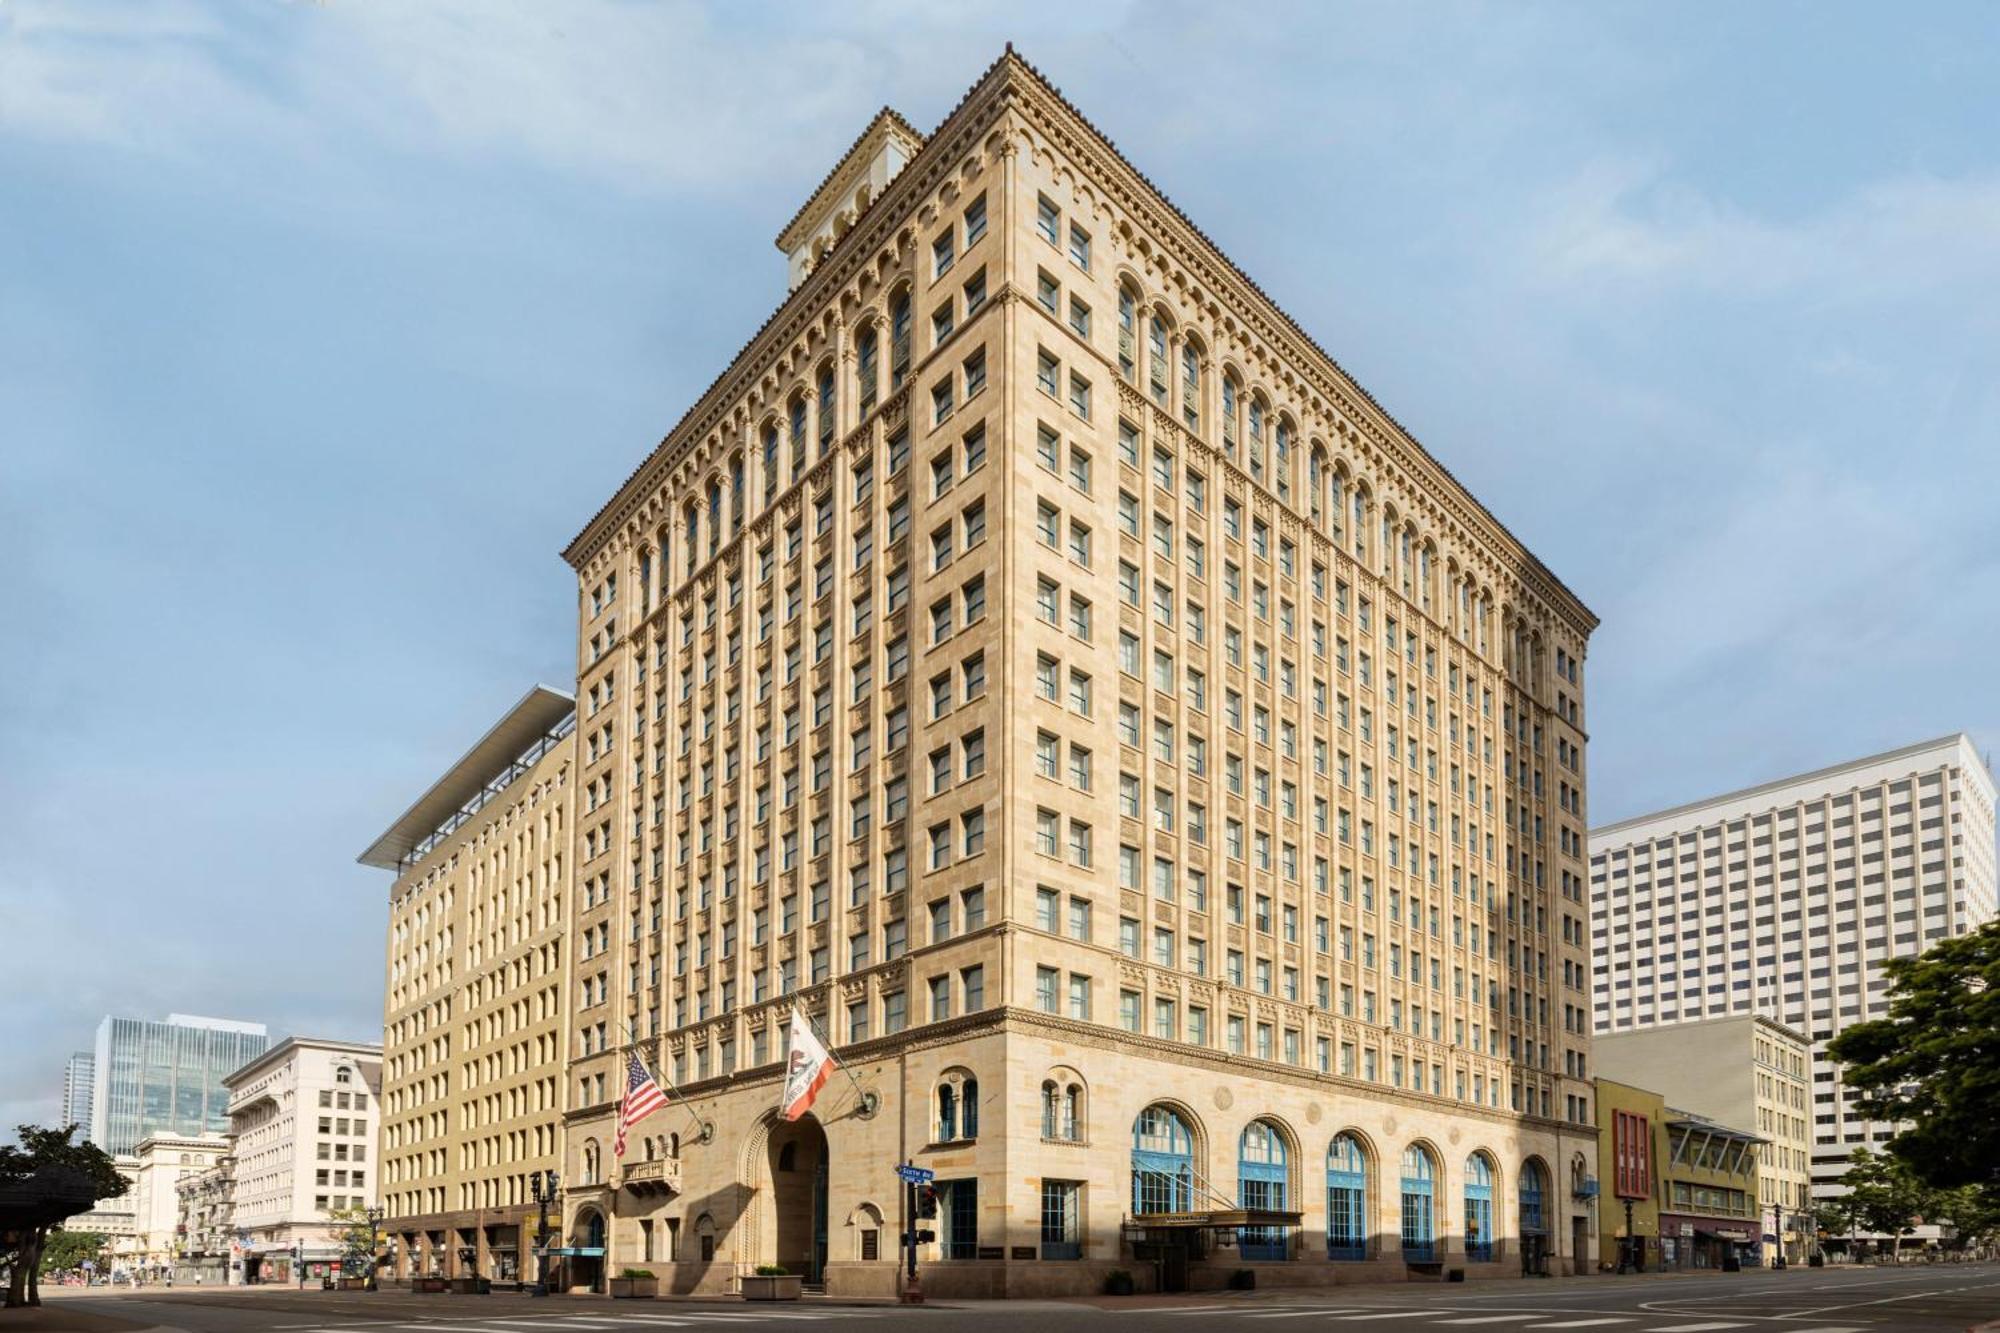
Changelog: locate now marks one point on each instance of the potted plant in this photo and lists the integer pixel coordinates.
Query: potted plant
(634, 1283)
(772, 1282)
(1118, 1282)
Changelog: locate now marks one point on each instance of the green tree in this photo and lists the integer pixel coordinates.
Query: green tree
(1885, 1196)
(356, 1237)
(65, 1250)
(73, 1176)
(1974, 1213)
(1934, 1062)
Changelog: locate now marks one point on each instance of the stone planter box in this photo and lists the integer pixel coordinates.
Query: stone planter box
(354, 1284)
(468, 1286)
(772, 1287)
(427, 1286)
(633, 1288)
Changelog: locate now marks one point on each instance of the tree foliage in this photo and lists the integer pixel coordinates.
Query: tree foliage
(356, 1237)
(1885, 1196)
(55, 1154)
(1934, 1062)
(65, 1250)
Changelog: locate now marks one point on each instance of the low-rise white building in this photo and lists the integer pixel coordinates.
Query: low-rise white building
(156, 1168)
(302, 1118)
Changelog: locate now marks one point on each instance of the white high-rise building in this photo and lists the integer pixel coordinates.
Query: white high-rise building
(1785, 899)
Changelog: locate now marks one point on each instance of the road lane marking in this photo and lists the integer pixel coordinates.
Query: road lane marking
(1699, 1328)
(1301, 1314)
(1393, 1314)
(1492, 1319)
(1584, 1323)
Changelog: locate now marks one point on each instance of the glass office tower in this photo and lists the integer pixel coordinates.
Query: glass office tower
(166, 1077)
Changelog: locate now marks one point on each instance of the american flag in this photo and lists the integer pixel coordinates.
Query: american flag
(642, 1098)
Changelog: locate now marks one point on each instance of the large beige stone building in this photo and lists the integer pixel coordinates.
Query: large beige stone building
(1037, 659)
(475, 996)
(1742, 1070)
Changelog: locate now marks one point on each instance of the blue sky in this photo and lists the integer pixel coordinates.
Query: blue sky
(324, 326)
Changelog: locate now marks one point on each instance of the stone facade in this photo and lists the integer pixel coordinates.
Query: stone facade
(1038, 660)
(475, 997)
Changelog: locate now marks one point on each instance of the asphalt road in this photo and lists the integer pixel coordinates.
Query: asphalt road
(1928, 1299)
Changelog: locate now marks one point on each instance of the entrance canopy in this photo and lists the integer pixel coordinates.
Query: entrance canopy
(1214, 1219)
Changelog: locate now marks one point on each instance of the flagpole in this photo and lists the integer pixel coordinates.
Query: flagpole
(705, 1129)
(868, 1099)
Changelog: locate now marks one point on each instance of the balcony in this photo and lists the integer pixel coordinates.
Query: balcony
(661, 1176)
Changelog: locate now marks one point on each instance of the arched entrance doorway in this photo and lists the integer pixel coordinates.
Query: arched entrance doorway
(586, 1268)
(796, 1157)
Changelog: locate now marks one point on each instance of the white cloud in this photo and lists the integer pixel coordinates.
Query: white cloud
(1628, 224)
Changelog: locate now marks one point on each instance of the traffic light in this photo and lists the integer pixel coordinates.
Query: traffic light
(927, 1200)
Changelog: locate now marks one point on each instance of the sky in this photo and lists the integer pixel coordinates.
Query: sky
(325, 326)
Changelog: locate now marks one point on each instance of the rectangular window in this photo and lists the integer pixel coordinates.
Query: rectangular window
(1062, 1219)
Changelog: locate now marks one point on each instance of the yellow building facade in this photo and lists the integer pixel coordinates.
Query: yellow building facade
(1160, 780)
(475, 999)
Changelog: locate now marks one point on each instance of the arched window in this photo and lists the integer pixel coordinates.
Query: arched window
(645, 581)
(590, 1162)
(736, 495)
(714, 515)
(827, 423)
(1191, 387)
(899, 340)
(957, 1107)
(1335, 500)
(1284, 468)
(1256, 439)
(864, 369)
(1156, 347)
(1534, 1182)
(1419, 1211)
(1128, 332)
(1478, 1208)
(798, 425)
(1062, 1111)
(674, 1145)
(1346, 1199)
(1360, 524)
(1229, 397)
(770, 461)
(1261, 1178)
(1162, 1163)
(1315, 470)
(693, 536)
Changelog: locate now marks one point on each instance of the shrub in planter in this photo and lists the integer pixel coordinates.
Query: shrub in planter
(1118, 1282)
(633, 1283)
(771, 1282)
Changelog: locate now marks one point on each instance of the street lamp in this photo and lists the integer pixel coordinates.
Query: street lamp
(1625, 1260)
(1778, 1230)
(543, 1185)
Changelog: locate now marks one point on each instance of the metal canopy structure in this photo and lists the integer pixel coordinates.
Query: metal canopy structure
(517, 740)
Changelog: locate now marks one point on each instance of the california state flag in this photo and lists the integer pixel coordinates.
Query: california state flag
(805, 1069)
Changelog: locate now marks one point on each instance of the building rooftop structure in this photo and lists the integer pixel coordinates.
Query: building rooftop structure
(506, 751)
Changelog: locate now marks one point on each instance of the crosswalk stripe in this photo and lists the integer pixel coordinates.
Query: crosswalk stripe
(1302, 1314)
(1830, 1328)
(1491, 1319)
(1698, 1328)
(1393, 1314)
(1579, 1323)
